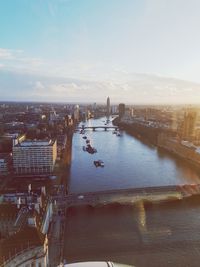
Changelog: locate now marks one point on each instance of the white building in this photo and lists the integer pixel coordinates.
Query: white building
(76, 113)
(34, 157)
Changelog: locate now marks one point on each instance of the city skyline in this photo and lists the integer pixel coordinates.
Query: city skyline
(141, 52)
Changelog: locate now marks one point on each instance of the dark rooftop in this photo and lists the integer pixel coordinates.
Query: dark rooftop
(24, 239)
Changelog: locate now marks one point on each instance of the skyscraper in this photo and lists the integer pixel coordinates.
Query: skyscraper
(108, 106)
(76, 113)
(121, 110)
(189, 123)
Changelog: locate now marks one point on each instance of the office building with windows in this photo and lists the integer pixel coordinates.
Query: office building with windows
(34, 157)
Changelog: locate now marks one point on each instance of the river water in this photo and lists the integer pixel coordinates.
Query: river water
(143, 235)
(128, 163)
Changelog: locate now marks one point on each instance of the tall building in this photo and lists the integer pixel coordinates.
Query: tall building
(121, 110)
(76, 113)
(189, 125)
(108, 106)
(34, 157)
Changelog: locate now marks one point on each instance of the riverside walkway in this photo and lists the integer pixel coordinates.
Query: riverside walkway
(128, 196)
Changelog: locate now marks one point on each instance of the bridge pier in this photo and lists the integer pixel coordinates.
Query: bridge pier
(141, 216)
(93, 128)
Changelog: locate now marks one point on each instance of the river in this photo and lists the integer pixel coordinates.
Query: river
(128, 163)
(143, 235)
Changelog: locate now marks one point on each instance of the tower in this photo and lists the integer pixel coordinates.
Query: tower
(76, 113)
(121, 110)
(108, 106)
(189, 125)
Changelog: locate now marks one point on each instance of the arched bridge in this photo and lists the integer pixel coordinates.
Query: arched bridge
(131, 195)
(97, 127)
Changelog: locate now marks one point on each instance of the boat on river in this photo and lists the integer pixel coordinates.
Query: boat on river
(91, 149)
(82, 131)
(99, 163)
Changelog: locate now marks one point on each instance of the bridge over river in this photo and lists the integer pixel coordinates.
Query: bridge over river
(131, 195)
(96, 127)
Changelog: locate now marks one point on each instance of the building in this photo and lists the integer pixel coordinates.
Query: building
(189, 124)
(25, 218)
(8, 216)
(108, 106)
(121, 110)
(53, 116)
(5, 163)
(76, 113)
(114, 109)
(26, 248)
(34, 157)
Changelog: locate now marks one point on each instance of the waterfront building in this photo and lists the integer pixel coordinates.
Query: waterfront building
(189, 123)
(108, 106)
(174, 121)
(114, 109)
(34, 157)
(24, 223)
(121, 110)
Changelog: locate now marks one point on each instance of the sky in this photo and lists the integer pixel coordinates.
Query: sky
(139, 51)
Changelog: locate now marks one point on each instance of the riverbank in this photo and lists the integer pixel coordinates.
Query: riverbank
(62, 168)
(163, 139)
(174, 146)
(137, 130)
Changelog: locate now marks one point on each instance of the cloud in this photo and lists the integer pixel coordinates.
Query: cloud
(38, 86)
(32, 62)
(14, 59)
(142, 88)
(134, 88)
(6, 54)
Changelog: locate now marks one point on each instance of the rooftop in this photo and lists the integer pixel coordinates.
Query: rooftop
(36, 143)
(24, 239)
